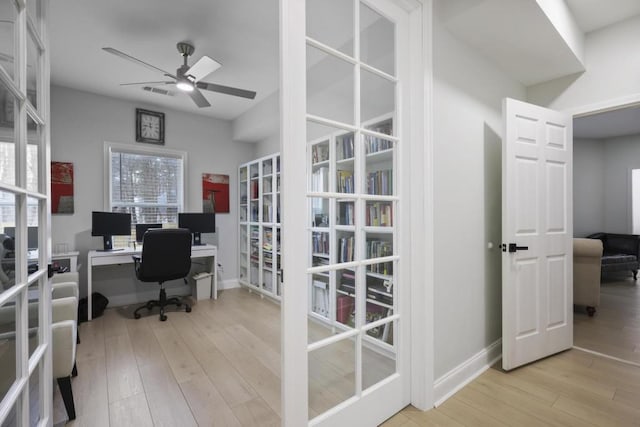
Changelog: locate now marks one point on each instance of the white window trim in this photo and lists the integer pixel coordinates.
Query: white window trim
(110, 147)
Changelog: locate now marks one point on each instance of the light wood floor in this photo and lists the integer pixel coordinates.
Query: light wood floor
(615, 328)
(216, 366)
(220, 365)
(570, 389)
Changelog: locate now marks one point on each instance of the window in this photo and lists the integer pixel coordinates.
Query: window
(635, 200)
(147, 183)
(8, 176)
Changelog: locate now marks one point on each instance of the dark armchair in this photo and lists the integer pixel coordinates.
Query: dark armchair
(166, 255)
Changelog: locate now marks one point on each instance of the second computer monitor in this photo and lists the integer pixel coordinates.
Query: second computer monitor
(197, 223)
(32, 236)
(142, 228)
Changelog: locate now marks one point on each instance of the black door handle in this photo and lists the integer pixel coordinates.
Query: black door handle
(513, 247)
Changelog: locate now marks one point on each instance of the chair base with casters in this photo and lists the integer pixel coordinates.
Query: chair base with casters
(162, 302)
(166, 255)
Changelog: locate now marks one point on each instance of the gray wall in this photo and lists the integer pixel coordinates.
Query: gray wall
(588, 186)
(621, 155)
(467, 105)
(80, 124)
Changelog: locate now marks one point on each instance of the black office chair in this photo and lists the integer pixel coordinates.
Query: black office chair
(166, 255)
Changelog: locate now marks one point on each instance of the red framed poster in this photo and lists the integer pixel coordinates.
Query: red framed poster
(215, 193)
(62, 188)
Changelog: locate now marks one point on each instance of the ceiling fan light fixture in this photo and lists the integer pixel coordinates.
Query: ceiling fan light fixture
(185, 85)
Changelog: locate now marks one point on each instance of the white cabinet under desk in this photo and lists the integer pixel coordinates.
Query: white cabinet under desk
(125, 256)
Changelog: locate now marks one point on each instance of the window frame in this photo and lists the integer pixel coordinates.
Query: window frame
(113, 147)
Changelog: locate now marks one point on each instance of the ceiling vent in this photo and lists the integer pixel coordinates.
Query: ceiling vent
(158, 90)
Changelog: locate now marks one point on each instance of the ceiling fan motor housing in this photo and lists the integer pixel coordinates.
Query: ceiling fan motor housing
(185, 49)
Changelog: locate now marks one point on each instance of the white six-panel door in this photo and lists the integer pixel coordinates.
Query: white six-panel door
(537, 230)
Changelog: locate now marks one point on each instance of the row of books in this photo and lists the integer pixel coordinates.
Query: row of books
(380, 182)
(254, 212)
(320, 179)
(378, 249)
(266, 185)
(347, 213)
(345, 181)
(373, 144)
(345, 146)
(320, 243)
(319, 153)
(255, 186)
(379, 214)
(345, 249)
(378, 294)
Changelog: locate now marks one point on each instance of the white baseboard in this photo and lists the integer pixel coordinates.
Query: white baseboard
(448, 384)
(228, 284)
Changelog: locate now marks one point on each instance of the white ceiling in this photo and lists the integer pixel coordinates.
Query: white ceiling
(240, 34)
(609, 124)
(592, 15)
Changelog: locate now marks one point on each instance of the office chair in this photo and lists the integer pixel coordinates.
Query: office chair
(166, 255)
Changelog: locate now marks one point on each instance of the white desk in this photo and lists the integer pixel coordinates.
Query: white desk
(125, 256)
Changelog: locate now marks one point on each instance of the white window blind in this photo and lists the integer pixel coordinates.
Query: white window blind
(147, 185)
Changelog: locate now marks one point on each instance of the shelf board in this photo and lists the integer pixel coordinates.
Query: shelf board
(320, 255)
(381, 155)
(350, 160)
(323, 274)
(350, 228)
(379, 276)
(321, 163)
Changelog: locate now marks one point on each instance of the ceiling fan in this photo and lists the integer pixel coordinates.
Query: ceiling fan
(188, 78)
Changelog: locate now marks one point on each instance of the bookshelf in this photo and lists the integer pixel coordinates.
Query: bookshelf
(351, 210)
(259, 222)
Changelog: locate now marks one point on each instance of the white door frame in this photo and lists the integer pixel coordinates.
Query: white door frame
(293, 128)
(30, 31)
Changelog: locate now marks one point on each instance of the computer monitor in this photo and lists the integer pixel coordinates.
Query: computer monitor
(32, 236)
(142, 228)
(197, 223)
(108, 224)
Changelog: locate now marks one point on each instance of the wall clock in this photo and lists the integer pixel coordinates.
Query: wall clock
(149, 126)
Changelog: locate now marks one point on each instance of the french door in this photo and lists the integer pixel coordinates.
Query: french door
(345, 97)
(25, 313)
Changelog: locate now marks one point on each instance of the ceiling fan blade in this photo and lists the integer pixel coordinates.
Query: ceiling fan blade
(203, 68)
(199, 98)
(226, 90)
(137, 61)
(148, 83)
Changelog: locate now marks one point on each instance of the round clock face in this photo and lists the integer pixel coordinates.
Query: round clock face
(150, 126)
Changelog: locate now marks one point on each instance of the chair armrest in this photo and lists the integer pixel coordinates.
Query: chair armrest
(63, 348)
(64, 309)
(587, 248)
(64, 289)
(65, 277)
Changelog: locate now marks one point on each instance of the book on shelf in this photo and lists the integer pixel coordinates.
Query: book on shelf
(373, 144)
(347, 213)
(345, 249)
(320, 153)
(380, 182)
(344, 308)
(345, 146)
(320, 243)
(345, 181)
(379, 214)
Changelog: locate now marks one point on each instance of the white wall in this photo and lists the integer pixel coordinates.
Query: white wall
(468, 92)
(588, 187)
(620, 156)
(612, 61)
(267, 146)
(80, 124)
